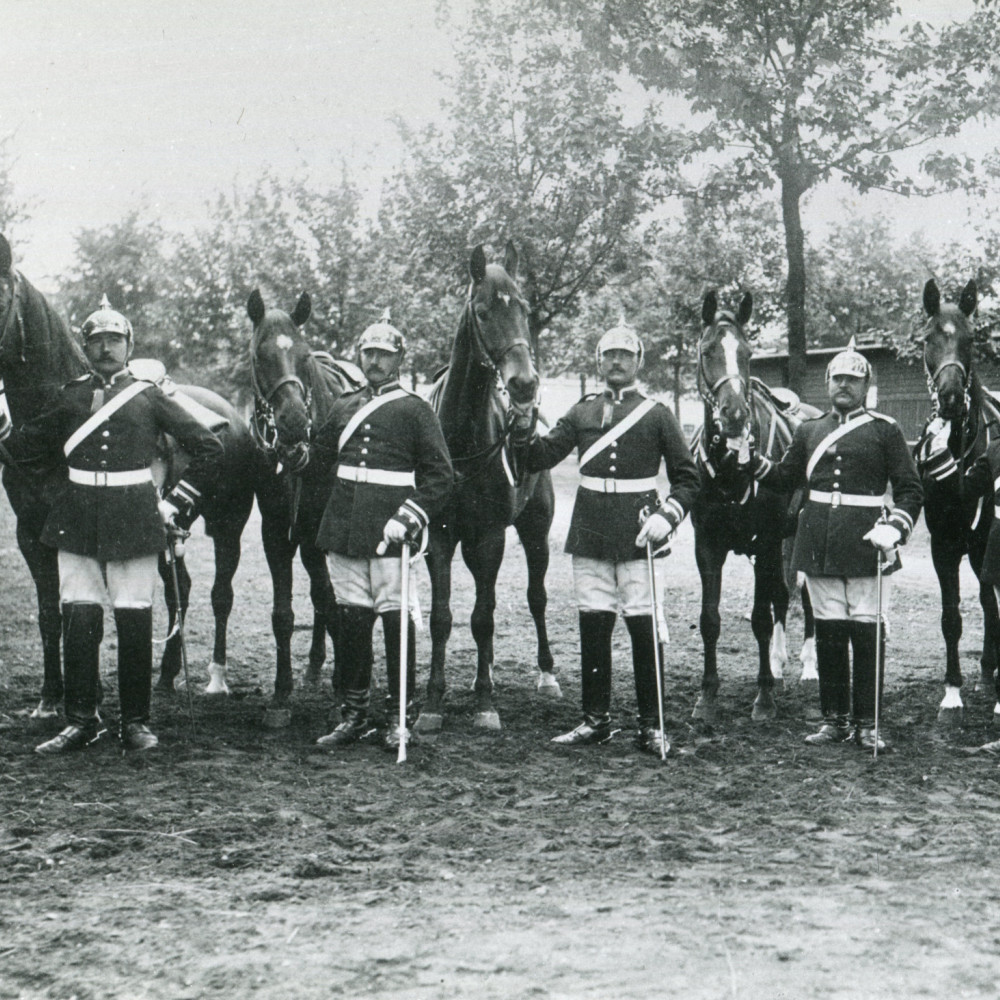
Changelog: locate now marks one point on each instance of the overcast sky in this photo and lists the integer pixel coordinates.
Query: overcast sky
(165, 102)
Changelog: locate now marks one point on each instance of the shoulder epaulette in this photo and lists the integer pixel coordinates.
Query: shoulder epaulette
(588, 396)
(882, 416)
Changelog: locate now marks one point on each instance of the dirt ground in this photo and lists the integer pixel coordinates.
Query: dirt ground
(235, 861)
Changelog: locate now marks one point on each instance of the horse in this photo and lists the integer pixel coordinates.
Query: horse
(294, 390)
(959, 524)
(732, 513)
(38, 355)
(490, 372)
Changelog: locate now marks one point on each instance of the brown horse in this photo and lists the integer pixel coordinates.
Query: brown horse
(491, 369)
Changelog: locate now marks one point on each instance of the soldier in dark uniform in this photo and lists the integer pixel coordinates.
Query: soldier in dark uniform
(390, 475)
(108, 523)
(621, 437)
(846, 460)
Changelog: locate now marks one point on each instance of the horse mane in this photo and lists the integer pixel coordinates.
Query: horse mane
(38, 354)
(330, 378)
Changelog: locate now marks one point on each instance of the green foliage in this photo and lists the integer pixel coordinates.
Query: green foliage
(14, 212)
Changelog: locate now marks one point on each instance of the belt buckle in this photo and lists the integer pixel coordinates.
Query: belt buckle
(362, 475)
(610, 485)
(97, 478)
(835, 499)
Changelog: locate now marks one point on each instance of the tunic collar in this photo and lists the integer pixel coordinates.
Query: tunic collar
(846, 418)
(620, 395)
(384, 388)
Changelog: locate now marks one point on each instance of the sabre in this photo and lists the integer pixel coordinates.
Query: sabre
(404, 639)
(657, 651)
(173, 533)
(878, 647)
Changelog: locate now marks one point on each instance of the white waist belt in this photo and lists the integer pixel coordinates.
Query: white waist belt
(383, 477)
(847, 499)
(134, 477)
(618, 485)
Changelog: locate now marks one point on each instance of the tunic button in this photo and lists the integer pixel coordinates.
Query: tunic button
(104, 447)
(612, 469)
(362, 462)
(364, 451)
(103, 464)
(368, 427)
(105, 433)
(614, 454)
(836, 486)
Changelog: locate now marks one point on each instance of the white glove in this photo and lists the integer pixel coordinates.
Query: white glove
(940, 431)
(884, 537)
(655, 529)
(167, 512)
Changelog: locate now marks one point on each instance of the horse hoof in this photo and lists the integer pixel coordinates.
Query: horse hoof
(704, 710)
(45, 710)
(486, 720)
(217, 679)
(429, 722)
(763, 712)
(277, 718)
(950, 716)
(548, 685)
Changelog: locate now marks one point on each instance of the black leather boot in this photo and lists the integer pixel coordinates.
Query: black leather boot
(83, 630)
(354, 665)
(135, 676)
(640, 629)
(863, 644)
(834, 667)
(595, 681)
(391, 629)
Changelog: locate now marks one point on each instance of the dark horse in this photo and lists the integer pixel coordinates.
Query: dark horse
(37, 356)
(490, 372)
(959, 524)
(294, 390)
(731, 513)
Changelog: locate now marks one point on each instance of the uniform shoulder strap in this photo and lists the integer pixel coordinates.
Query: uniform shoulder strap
(96, 419)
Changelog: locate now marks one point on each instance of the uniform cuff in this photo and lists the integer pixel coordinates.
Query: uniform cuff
(902, 521)
(414, 509)
(184, 496)
(673, 510)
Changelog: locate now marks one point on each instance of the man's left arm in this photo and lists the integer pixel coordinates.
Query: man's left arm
(907, 492)
(202, 446)
(683, 476)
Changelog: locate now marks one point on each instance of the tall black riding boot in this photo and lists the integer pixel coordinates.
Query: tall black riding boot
(595, 680)
(390, 630)
(83, 630)
(135, 675)
(834, 667)
(640, 629)
(354, 664)
(863, 643)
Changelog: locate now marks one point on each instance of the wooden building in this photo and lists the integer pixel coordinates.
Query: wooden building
(901, 382)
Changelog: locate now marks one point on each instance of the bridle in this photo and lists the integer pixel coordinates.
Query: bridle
(264, 425)
(932, 378)
(709, 394)
(484, 356)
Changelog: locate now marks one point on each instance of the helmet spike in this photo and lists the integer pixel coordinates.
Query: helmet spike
(105, 302)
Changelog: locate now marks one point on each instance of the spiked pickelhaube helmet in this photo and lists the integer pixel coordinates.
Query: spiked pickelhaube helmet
(620, 338)
(107, 320)
(382, 336)
(849, 362)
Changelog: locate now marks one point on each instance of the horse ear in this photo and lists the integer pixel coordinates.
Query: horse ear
(932, 298)
(477, 264)
(510, 259)
(967, 303)
(6, 257)
(303, 308)
(255, 307)
(709, 307)
(746, 309)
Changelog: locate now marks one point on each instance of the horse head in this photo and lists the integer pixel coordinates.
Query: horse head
(948, 348)
(724, 365)
(6, 278)
(498, 318)
(279, 357)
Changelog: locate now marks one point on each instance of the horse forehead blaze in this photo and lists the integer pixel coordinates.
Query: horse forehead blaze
(284, 342)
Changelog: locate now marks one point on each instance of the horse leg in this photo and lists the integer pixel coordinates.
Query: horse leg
(324, 611)
(810, 674)
(43, 564)
(279, 552)
(533, 529)
(483, 557)
(170, 661)
(439, 555)
(769, 590)
(227, 561)
(947, 559)
(710, 560)
(988, 602)
(778, 600)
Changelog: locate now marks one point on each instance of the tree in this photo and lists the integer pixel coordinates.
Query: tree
(13, 211)
(797, 92)
(536, 148)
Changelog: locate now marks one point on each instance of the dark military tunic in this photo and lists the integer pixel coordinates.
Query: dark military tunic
(980, 480)
(114, 523)
(604, 524)
(853, 471)
(403, 436)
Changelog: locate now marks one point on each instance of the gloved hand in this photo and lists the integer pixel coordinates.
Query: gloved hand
(167, 513)
(656, 529)
(940, 431)
(403, 526)
(884, 536)
(297, 458)
(522, 425)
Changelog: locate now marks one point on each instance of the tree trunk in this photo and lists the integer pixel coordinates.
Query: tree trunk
(795, 291)
(677, 390)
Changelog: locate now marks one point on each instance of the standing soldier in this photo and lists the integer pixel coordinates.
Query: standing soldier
(621, 437)
(846, 460)
(108, 523)
(391, 475)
